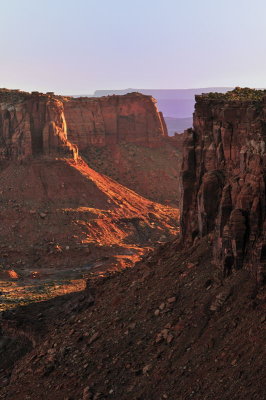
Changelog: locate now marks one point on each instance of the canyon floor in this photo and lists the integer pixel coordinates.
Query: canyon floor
(63, 221)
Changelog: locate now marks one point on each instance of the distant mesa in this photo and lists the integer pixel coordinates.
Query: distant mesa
(45, 124)
(177, 105)
(130, 118)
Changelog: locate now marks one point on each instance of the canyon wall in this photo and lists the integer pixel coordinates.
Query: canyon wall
(44, 124)
(32, 124)
(131, 118)
(223, 179)
(119, 136)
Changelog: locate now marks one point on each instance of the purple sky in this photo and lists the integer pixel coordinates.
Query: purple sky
(79, 46)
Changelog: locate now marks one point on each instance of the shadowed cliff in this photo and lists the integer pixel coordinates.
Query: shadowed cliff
(223, 178)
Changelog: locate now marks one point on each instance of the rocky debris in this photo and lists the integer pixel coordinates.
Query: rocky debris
(87, 394)
(219, 300)
(171, 300)
(164, 335)
(118, 349)
(94, 337)
(43, 215)
(223, 179)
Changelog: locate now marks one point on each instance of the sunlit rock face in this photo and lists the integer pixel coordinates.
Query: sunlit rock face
(44, 124)
(32, 124)
(131, 118)
(223, 180)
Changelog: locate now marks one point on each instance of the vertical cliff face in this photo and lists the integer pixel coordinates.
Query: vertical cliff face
(223, 179)
(38, 124)
(32, 124)
(132, 118)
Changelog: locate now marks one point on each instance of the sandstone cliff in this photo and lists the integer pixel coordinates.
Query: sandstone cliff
(120, 136)
(32, 124)
(42, 124)
(131, 118)
(223, 178)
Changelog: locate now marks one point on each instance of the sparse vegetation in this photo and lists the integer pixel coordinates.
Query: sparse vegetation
(238, 94)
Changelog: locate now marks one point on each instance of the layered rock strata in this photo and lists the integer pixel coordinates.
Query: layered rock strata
(131, 118)
(223, 180)
(32, 124)
(44, 124)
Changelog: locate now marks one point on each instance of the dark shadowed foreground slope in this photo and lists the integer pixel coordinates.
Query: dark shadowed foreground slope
(166, 329)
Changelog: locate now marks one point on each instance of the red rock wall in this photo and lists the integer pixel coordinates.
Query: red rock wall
(223, 182)
(32, 125)
(38, 124)
(132, 118)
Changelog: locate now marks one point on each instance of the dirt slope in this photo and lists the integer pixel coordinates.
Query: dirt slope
(151, 172)
(60, 220)
(165, 329)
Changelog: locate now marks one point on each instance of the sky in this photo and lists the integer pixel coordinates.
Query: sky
(78, 46)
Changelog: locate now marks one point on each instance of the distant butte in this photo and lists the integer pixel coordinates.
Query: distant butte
(124, 137)
(40, 123)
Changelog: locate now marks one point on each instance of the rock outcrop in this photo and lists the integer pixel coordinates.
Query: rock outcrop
(223, 179)
(131, 118)
(32, 124)
(43, 124)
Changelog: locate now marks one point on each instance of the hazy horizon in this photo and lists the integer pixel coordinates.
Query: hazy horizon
(80, 47)
(120, 89)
